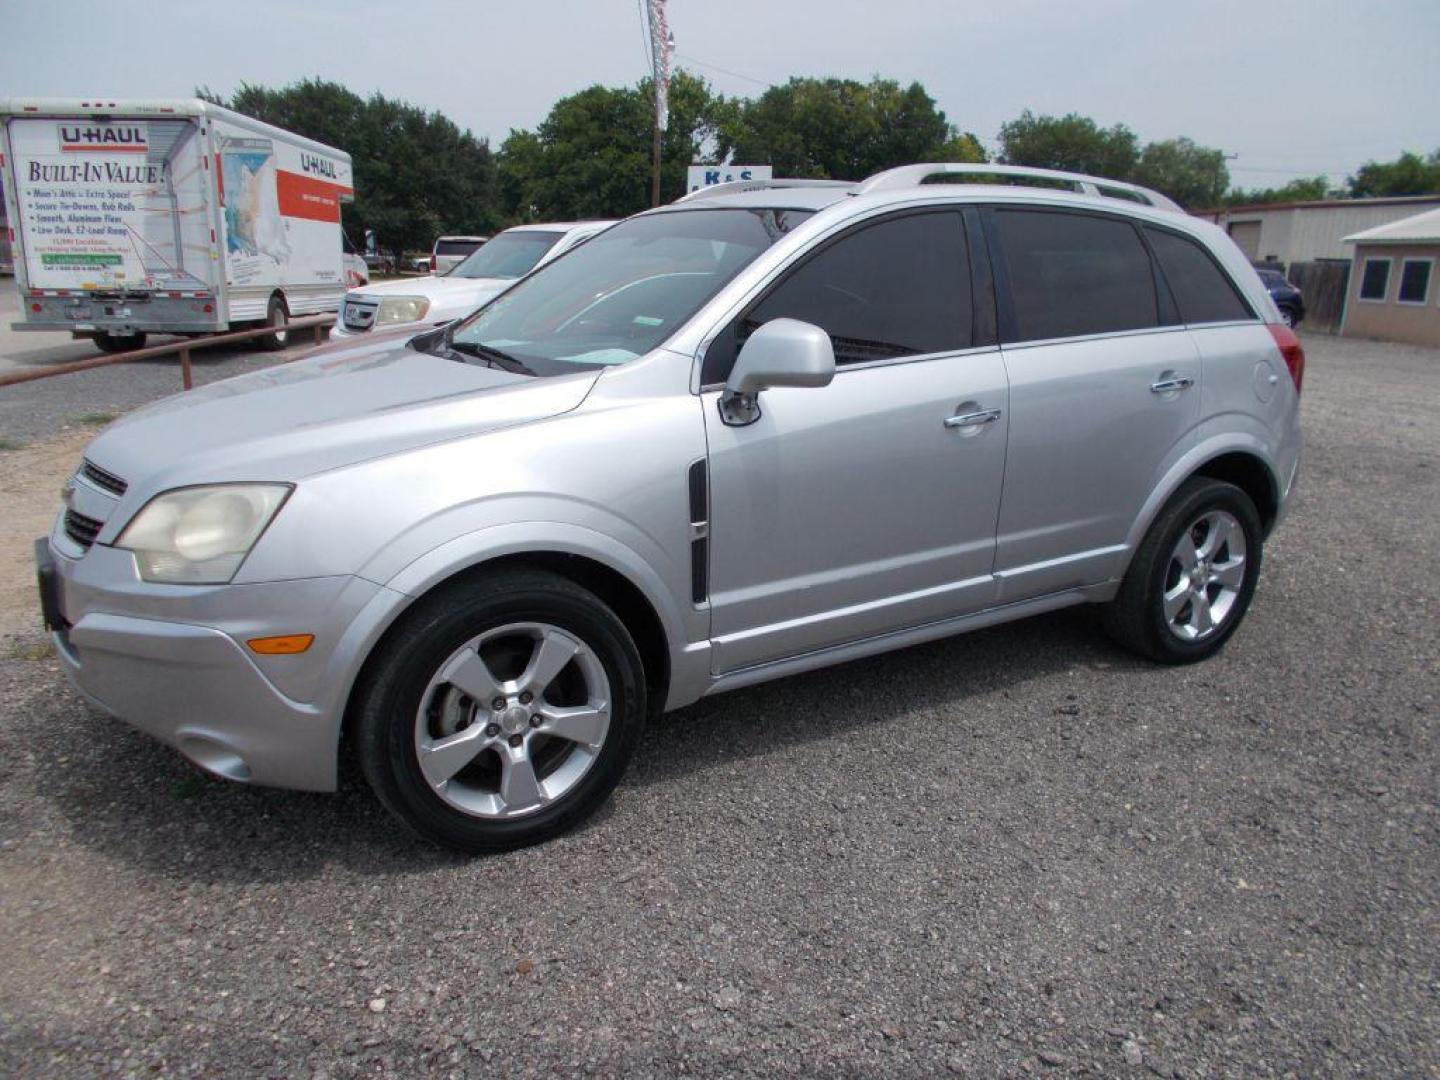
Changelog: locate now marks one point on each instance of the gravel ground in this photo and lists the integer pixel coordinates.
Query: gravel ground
(37, 410)
(1019, 852)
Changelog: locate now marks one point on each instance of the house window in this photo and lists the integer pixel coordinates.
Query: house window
(1415, 281)
(1375, 280)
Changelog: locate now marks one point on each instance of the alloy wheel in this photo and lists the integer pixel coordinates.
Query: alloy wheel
(1204, 577)
(512, 720)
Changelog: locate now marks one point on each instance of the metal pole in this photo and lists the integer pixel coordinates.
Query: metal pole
(655, 165)
(185, 368)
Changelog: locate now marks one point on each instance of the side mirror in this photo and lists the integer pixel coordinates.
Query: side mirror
(783, 352)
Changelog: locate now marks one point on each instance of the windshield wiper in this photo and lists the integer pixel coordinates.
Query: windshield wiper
(495, 358)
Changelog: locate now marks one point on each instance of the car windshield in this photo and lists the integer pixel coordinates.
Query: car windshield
(509, 255)
(621, 294)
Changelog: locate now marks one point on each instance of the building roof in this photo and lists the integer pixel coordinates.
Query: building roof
(1319, 204)
(1417, 229)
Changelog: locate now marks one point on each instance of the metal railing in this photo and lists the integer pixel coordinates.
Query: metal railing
(318, 323)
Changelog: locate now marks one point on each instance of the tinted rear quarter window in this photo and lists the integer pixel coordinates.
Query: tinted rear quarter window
(1202, 290)
(1074, 274)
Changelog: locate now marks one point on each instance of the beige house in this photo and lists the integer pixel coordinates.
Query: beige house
(1394, 294)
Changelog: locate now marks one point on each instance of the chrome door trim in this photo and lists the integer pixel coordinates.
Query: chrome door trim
(898, 639)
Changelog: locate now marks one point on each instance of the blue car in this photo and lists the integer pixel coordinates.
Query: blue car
(1289, 299)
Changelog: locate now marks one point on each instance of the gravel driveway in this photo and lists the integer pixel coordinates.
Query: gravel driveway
(1018, 852)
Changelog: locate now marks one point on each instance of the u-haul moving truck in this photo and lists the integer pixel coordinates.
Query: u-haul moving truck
(167, 216)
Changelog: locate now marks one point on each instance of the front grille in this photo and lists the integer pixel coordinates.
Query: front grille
(359, 317)
(102, 479)
(81, 529)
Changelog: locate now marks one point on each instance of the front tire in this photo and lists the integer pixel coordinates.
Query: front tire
(501, 711)
(1193, 576)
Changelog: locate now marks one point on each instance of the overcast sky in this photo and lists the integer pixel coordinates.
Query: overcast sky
(1291, 88)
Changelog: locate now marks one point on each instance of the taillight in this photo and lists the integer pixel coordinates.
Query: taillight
(1291, 349)
(432, 263)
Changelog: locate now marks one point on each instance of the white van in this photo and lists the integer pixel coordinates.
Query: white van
(450, 251)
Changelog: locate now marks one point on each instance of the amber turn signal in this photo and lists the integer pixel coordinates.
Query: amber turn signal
(285, 645)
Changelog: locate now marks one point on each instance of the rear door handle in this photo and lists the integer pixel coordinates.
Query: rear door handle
(984, 416)
(1170, 386)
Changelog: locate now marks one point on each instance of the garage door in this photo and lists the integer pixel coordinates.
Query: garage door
(1246, 235)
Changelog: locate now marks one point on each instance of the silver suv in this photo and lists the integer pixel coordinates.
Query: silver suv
(765, 429)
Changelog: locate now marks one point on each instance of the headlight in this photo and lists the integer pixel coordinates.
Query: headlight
(200, 535)
(401, 309)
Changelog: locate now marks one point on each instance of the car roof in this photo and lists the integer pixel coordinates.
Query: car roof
(561, 226)
(785, 198)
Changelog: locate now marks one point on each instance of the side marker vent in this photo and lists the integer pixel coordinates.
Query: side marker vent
(699, 533)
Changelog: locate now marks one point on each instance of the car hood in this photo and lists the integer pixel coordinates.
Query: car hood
(434, 288)
(333, 408)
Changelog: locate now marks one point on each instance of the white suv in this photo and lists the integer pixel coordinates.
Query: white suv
(487, 271)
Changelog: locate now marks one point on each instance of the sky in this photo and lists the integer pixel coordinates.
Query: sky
(1288, 88)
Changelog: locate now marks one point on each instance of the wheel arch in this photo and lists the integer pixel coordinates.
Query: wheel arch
(614, 586)
(1250, 474)
(1241, 459)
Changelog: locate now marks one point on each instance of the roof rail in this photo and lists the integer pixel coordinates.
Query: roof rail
(735, 187)
(907, 176)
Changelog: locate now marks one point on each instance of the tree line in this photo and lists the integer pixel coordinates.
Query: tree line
(417, 174)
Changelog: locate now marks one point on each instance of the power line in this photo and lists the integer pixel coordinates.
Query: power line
(725, 71)
(645, 36)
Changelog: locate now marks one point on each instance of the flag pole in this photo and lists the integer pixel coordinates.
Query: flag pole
(661, 44)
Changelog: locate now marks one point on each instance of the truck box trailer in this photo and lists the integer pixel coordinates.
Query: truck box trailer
(133, 217)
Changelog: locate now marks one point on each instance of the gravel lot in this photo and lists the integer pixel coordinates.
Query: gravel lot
(37, 410)
(1019, 852)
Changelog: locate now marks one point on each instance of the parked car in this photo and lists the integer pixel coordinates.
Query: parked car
(484, 273)
(1288, 297)
(380, 264)
(449, 251)
(765, 429)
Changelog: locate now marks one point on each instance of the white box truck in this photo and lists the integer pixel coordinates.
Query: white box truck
(133, 217)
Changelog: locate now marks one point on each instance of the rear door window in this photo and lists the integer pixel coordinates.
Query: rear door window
(1074, 274)
(900, 287)
(1202, 290)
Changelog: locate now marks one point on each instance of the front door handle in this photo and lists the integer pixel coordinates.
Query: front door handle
(970, 419)
(1172, 385)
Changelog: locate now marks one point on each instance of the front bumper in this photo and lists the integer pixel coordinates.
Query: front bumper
(171, 661)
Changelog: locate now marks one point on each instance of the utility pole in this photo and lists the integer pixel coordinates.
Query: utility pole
(655, 166)
(662, 44)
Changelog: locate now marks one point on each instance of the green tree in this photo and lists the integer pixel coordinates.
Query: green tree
(1073, 143)
(591, 156)
(417, 174)
(842, 129)
(1305, 189)
(1194, 176)
(1409, 174)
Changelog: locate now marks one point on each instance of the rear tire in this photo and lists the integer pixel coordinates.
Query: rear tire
(466, 734)
(276, 316)
(117, 343)
(1291, 319)
(1193, 576)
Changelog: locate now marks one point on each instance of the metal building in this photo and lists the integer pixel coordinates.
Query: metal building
(1304, 232)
